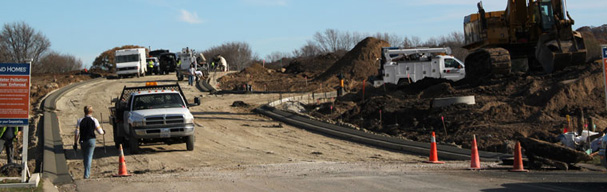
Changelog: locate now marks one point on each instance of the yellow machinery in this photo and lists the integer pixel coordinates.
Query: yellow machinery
(529, 35)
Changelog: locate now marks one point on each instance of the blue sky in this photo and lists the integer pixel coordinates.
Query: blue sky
(86, 28)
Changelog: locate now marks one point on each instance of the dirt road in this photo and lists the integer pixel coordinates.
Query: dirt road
(226, 137)
(236, 150)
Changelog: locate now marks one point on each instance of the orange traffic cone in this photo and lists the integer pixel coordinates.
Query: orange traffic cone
(518, 159)
(122, 172)
(433, 152)
(475, 162)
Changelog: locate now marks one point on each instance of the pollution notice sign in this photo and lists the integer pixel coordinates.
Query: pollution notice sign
(14, 93)
(604, 51)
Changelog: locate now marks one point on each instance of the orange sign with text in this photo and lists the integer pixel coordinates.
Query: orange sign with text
(14, 93)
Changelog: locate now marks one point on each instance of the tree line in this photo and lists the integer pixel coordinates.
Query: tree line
(20, 43)
(333, 40)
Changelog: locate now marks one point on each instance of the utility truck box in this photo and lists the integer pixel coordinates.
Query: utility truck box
(185, 60)
(403, 66)
(152, 114)
(130, 62)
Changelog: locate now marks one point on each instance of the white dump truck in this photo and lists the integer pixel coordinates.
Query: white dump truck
(131, 62)
(403, 66)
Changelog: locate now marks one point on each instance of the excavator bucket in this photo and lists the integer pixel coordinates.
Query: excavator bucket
(555, 55)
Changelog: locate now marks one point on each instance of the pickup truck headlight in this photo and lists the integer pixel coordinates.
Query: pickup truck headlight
(189, 119)
(137, 123)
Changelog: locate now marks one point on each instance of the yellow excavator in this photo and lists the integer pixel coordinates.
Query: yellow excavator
(530, 35)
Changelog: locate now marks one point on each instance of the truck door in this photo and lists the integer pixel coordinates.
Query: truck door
(453, 69)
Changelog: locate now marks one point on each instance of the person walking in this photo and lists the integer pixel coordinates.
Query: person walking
(85, 134)
(7, 137)
(192, 72)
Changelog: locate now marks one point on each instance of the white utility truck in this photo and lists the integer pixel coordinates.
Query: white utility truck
(403, 66)
(186, 58)
(131, 62)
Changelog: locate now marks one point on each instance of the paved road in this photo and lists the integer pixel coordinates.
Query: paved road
(237, 150)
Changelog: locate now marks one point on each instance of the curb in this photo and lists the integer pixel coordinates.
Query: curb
(420, 148)
(54, 163)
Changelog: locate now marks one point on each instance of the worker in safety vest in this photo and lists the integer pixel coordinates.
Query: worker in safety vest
(151, 64)
(7, 136)
(179, 63)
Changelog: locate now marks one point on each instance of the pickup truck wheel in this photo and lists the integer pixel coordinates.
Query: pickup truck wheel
(117, 139)
(604, 159)
(133, 146)
(190, 142)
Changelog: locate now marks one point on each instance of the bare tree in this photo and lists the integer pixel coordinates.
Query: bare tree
(238, 54)
(308, 50)
(22, 42)
(277, 55)
(327, 41)
(393, 39)
(4, 58)
(54, 62)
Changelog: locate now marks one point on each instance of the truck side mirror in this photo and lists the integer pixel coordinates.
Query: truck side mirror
(197, 101)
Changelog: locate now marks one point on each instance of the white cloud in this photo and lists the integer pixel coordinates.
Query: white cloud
(188, 17)
(267, 2)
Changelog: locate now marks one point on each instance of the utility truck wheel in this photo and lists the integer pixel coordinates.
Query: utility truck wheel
(403, 82)
(180, 78)
(138, 75)
(190, 142)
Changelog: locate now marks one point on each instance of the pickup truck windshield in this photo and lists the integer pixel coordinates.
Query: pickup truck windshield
(127, 58)
(158, 101)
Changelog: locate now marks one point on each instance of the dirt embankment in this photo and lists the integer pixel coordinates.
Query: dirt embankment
(506, 108)
(531, 105)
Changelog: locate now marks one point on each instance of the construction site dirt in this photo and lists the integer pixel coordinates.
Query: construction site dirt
(506, 108)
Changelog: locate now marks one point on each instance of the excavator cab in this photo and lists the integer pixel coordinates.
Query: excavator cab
(558, 45)
(546, 15)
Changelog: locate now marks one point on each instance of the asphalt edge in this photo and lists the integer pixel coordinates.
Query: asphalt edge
(420, 148)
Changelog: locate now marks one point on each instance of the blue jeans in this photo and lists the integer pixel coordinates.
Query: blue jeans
(191, 80)
(88, 148)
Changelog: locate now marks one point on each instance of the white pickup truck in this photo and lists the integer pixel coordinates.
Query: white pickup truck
(152, 114)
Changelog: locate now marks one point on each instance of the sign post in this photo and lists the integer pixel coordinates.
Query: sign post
(15, 102)
(604, 53)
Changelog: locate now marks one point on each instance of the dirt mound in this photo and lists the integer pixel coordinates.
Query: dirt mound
(264, 79)
(313, 66)
(359, 63)
(313, 74)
